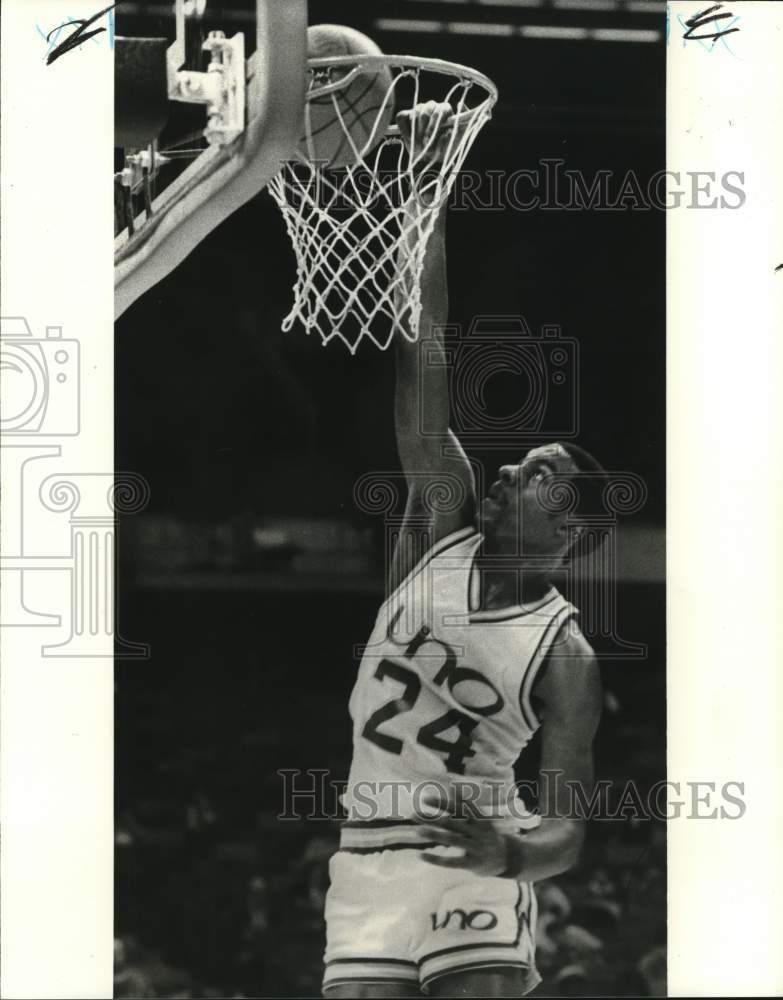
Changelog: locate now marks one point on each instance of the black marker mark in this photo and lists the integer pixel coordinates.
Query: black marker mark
(779, 267)
(707, 17)
(76, 37)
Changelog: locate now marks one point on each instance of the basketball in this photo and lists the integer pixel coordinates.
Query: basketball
(354, 111)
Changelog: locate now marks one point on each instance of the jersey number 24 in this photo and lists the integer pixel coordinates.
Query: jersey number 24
(429, 735)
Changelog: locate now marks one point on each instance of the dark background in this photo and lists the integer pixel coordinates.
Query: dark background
(251, 438)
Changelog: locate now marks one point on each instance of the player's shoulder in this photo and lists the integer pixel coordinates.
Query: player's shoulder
(570, 678)
(571, 644)
(454, 549)
(462, 540)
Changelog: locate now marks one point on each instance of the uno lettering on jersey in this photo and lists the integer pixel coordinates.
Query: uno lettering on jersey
(443, 689)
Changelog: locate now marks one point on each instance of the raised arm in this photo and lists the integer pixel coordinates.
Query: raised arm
(434, 463)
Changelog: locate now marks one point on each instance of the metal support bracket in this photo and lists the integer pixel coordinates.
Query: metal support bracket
(136, 164)
(221, 88)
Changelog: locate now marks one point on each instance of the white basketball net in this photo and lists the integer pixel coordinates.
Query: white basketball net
(348, 225)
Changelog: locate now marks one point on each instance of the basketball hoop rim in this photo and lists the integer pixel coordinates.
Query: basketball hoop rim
(359, 272)
(360, 62)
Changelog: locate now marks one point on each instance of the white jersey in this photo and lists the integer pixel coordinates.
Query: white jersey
(443, 693)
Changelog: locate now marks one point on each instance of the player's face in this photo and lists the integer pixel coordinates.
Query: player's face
(516, 516)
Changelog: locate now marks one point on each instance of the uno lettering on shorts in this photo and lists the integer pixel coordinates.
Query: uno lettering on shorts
(475, 920)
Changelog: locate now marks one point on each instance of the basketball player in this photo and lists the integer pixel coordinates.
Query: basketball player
(472, 651)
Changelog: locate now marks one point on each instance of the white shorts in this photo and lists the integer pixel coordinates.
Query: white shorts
(391, 917)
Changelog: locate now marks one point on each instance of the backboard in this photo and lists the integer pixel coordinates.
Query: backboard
(252, 118)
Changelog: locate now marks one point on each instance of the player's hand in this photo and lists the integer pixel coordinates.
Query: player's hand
(485, 850)
(424, 131)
